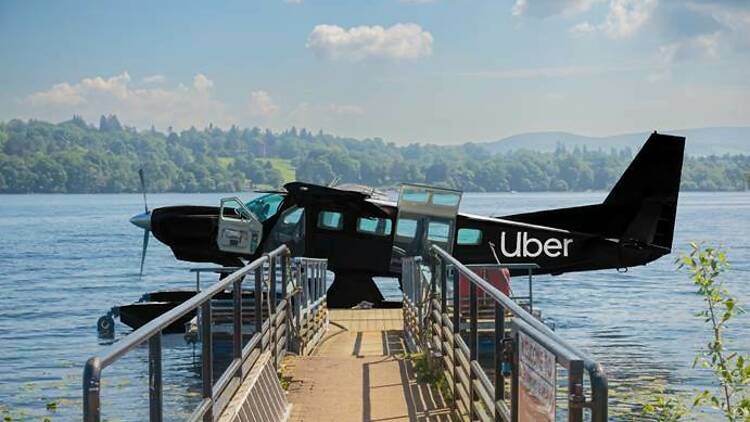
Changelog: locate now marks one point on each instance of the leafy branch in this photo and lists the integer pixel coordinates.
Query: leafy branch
(731, 369)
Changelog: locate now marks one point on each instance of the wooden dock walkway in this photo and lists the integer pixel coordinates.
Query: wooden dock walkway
(359, 372)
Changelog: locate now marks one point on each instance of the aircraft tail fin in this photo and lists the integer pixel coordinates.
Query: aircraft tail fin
(648, 190)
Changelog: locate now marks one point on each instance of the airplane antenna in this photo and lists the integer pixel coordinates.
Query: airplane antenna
(494, 253)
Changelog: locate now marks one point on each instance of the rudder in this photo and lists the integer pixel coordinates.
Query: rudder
(648, 190)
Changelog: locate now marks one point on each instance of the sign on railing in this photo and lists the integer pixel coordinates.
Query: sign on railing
(536, 381)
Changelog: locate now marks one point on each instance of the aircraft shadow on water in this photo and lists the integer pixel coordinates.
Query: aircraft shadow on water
(364, 235)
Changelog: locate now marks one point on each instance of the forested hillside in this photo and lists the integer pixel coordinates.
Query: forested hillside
(77, 157)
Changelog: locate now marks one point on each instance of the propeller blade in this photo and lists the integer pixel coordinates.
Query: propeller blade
(143, 188)
(145, 246)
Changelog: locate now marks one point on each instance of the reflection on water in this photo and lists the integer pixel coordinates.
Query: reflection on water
(66, 259)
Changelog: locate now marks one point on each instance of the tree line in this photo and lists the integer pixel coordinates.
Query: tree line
(77, 157)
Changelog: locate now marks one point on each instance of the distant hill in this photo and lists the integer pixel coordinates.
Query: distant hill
(700, 142)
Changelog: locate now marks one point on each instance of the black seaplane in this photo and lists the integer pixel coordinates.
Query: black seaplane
(364, 235)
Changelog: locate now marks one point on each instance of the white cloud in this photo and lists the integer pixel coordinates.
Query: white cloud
(583, 28)
(154, 79)
(400, 41)
(60, 94)
(141, 106)
(418, 1)
(293, 1)
(625, 17)
(261, 104)
(116, 86)
(202, 84)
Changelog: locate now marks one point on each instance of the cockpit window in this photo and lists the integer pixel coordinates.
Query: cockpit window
(266, 206)
(293, 216)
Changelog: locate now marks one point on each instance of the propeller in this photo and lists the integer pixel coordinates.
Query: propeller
(143, 188)
(143, 220)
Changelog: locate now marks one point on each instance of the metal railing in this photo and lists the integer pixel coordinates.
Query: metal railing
(270, 334)
(434, 323)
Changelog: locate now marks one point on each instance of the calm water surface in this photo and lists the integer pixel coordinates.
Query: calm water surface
(66, 259)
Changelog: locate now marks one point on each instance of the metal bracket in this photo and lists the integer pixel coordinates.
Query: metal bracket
(576, 397)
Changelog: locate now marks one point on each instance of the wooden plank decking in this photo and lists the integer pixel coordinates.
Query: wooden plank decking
(358, 372)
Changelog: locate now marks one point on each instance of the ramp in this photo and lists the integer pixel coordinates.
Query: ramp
(359, 372)
(260, 397)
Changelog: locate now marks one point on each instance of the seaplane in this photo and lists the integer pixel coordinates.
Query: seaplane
(363, 234)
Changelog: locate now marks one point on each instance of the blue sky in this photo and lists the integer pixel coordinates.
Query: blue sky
(435, 71)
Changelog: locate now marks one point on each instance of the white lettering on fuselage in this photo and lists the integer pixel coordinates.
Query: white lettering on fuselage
(531, 247)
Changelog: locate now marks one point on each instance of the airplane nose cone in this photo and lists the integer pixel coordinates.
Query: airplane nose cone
(142, 220)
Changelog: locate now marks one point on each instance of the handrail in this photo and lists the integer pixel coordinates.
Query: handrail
(446, 339)
(157, 324)
(505, 301)
(151, 332)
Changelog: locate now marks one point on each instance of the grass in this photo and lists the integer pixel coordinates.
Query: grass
(225, 161)
(284, 166)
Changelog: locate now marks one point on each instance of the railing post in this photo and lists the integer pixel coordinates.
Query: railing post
(284, 274)
(443, 286)
(531, 293)
(237, 326)
(514, 381)
(297, 269)
(303, 278)
(456, 331)
(91, 388)
(154, 378)
(207, 359)
(499, 345)
(433, 291)
(473, 346)
(575, 391)
(272, 310)
(259, 303)
(418, 298)
(599, 394)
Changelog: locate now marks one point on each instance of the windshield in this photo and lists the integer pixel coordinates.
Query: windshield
(264, 207)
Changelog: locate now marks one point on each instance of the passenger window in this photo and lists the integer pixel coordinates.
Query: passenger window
(331, 220)
(413, 195)
(406, 227)
(438, 232)
(446, 199)
(374, 225)
(293, 217)
(469, 237)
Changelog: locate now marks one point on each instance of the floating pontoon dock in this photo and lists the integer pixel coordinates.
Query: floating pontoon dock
(360, 364)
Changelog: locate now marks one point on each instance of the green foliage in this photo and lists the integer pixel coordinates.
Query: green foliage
(430, 371)
(731, 369)
(77, 157)
(666, 408)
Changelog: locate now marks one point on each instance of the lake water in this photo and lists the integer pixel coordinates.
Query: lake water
(66, 259)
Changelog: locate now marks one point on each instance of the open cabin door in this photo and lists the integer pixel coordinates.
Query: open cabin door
(239, 230)
(426, 215)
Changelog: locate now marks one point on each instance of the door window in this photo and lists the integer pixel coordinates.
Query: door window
(375, 225)
(438, 231)
(406, 227)
(330, 220)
